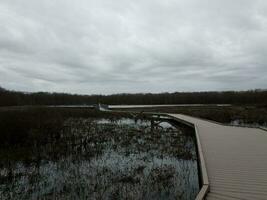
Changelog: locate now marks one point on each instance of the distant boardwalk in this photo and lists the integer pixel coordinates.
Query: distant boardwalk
(235, 159)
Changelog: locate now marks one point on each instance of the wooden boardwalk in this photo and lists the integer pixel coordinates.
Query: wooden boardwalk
(234, 160)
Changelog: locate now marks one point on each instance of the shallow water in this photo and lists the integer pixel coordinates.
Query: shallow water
(107, 159)
(239, 122)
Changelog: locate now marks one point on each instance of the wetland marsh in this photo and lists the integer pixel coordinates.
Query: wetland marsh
(91, 156)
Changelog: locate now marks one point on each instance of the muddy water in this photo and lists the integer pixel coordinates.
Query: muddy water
(106, 159)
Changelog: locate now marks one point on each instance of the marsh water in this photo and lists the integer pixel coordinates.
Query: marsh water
(90, 158)
(240, 122)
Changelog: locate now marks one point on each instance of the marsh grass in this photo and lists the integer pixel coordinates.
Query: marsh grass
(59, 154)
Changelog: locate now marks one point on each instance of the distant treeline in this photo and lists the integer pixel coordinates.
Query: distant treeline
(13, 98)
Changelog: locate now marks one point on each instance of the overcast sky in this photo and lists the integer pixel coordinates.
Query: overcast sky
(115, 46)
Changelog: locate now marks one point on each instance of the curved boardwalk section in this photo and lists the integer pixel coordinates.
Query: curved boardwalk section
(235, 159)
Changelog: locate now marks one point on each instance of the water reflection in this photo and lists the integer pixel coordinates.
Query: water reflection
(106, 159)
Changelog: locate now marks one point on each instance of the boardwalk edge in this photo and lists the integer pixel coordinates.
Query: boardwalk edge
(203, 170)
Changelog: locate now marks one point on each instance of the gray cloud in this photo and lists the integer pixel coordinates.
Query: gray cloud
(133, 46)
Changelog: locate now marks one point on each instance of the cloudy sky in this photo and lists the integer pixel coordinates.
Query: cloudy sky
(115, 46)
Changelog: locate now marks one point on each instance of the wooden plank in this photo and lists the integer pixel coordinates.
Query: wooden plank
(235, 158)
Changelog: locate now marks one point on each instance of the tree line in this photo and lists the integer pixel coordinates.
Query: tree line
(15, 98)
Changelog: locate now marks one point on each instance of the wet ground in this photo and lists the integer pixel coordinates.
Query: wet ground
(104, 159)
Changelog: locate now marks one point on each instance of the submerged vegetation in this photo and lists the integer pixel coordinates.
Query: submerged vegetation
(53, 153)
